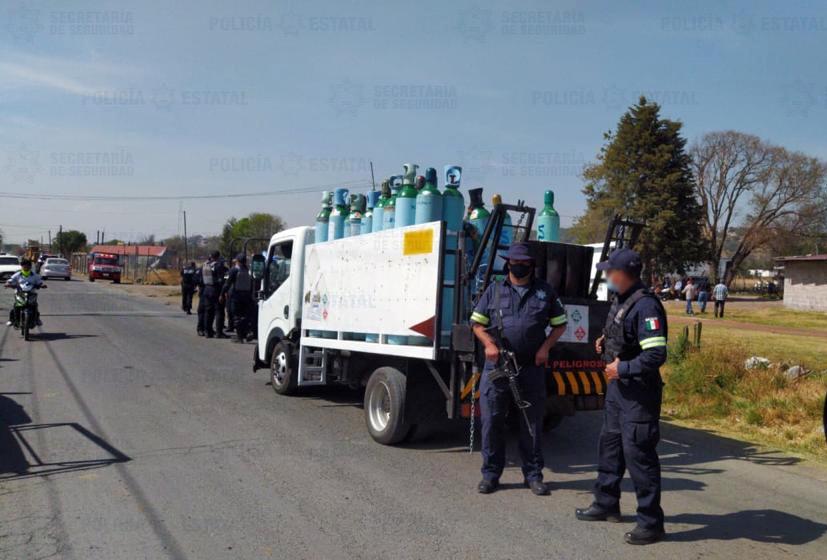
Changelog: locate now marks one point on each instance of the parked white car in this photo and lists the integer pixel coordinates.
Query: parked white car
(55, 267)
(9, 264)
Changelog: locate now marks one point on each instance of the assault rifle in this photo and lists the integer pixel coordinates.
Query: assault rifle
(509, 368)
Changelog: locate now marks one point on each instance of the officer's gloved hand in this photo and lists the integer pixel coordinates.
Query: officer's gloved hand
(598, 344)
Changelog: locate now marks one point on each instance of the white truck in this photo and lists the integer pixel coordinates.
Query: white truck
(365, 311)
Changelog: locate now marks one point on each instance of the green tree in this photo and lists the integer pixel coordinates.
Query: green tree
(643, 173)
(70, 241)
(257, 225)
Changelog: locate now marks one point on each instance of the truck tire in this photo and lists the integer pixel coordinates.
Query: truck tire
(385, 406)
(283, 374)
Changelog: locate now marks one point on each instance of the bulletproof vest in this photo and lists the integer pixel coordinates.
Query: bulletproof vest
(207, 274)
(243, 281)
(189, 275)
(615, 343)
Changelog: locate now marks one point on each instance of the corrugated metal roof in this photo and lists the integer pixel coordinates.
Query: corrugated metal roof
(140, 250)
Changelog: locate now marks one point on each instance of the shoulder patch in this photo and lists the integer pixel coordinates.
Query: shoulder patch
(652, 323)
(541, 295)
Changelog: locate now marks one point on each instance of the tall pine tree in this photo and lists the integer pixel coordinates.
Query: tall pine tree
(643, 173)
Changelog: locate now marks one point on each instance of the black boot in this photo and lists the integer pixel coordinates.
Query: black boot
(597, 513)
(642, 535)
(537, 487)
(488, 486)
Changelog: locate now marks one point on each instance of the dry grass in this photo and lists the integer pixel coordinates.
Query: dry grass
(712, 389)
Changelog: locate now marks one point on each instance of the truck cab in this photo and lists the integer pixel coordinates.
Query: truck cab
(104, 266)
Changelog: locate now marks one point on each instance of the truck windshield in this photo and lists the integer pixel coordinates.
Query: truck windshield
(106, 261)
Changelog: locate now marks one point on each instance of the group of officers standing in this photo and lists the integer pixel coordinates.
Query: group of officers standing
(225, 297)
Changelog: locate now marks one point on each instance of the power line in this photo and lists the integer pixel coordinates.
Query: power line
(79, 197)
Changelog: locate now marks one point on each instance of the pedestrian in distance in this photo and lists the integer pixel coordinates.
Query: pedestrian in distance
(720, 294)
(633, 345)
(201, 310)
(238, 292)
(678, 288)
(690, 291)
(188, 274)
(703, 294)
(221, 273)
(520, 309)
(208, 293)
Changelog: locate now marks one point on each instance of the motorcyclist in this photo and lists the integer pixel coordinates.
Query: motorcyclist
(23, 276)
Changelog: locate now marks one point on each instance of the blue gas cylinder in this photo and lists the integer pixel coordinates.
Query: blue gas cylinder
(323, 217)
(372, 198)
(429, 200)
(389, 215)
(338, 216)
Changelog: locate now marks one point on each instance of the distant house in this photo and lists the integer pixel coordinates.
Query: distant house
(805, 282)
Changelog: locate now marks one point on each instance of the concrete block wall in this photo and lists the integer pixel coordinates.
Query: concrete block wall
(805, 285)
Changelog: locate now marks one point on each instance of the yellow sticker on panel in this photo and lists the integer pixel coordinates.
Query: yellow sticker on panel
(418, 242)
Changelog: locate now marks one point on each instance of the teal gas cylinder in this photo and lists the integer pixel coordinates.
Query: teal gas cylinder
(357, 212)
(548, 221)
(338, 216)
(453, 209)
(429, 200)
(389, 217)
(323, 217)
(372, 197)
(478, 218)
(406, 198)
(379, 209)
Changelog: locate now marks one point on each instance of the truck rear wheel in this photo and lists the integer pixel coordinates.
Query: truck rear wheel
(283, 368)
(385, 406)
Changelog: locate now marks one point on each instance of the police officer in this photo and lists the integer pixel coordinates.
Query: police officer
(208, 293)
(187, 287)
(221, 272)
(634, 347)
(238, 290)
(524, 307)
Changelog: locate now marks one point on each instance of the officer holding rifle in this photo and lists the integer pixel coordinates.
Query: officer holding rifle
(518, 321)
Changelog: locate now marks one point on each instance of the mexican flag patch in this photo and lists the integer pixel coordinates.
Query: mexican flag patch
(652, 324)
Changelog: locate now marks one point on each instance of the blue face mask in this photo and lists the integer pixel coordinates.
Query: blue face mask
(611, 286)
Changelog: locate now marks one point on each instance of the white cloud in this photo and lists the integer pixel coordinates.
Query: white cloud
(57, 74)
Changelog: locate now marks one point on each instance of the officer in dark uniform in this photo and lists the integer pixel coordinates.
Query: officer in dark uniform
(238, 292)
(208, 293)
(202, 307)
(525, 307)
(221, 273)
(634, 347)
(187, 287)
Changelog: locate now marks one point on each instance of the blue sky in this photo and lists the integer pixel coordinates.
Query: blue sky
(191, 98)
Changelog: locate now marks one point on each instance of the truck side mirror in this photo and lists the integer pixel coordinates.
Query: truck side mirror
(257, 267)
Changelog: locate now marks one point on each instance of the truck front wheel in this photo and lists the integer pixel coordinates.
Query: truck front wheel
(283, 368)
(385, 406)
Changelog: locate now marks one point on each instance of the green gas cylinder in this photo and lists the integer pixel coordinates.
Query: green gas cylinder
(548, 222)
(406, 198)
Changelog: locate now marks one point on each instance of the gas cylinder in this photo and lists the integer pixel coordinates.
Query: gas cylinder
(548, 222)
(372, 197)
(406, 197)
(453, 208)
(478, 218)
(357, 212)
(429, 200)
(323, 217)
(506, 235)
(338, 216)
(379, 209)
(389, 217)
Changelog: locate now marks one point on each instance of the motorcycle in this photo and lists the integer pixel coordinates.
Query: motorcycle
(25, 307)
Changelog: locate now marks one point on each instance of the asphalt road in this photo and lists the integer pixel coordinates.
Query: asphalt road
(124, 435)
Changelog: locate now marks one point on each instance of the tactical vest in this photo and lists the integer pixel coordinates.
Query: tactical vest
(243, 281)
(207, 274)
(615, 343)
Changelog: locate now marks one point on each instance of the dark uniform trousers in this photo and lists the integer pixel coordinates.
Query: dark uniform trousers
(241, 303)
(207, 304)
(495, 401)
(187, 292)
(626, 444)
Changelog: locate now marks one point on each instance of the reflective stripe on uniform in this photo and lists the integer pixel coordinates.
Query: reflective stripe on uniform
(557, 321)
(479, 318)
(652, 342)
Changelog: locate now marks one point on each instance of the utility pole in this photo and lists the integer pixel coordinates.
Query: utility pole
(59, 240)
(50, 241)
(372, 180)
(186, 243)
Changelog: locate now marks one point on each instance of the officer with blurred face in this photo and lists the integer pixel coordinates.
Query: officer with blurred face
(208, 293)
(633, 346)
(221, 272)
(187, 287)
(525, 307)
